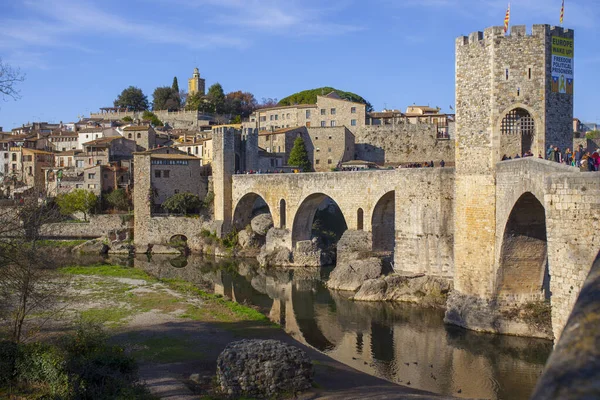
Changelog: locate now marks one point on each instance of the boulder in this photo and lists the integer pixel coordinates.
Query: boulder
(261, 224)
(308, 254)
(426, 290)
(351, 275)
(263, 369)
(247, 239)
(121, 248)
(94, 246)
(354, 245)
(277, 257)
(277, 238)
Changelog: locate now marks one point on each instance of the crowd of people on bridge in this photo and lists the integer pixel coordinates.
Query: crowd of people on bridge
(588, 161)
(425, 164)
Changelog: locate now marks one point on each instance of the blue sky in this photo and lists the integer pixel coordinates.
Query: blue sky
(79, 54)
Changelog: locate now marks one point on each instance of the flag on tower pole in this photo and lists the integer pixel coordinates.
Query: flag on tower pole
(507, 18)
(562, 12)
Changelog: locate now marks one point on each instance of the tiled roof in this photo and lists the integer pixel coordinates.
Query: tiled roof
(174, 157)
(278, 131)
(136, 128)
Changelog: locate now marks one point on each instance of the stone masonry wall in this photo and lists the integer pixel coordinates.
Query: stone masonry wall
(98, 226)
(572, 220)
(402, 143)
(424, 222)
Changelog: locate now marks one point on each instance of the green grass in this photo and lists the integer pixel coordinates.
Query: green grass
(115, 271)
(60, 243)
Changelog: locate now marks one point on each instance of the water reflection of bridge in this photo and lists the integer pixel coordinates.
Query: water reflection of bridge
(377, 338)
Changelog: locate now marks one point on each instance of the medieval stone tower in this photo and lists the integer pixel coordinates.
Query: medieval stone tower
(223, 170)
(196, 84)
(514, 93)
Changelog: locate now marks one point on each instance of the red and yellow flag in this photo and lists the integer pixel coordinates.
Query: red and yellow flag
(507, 18)
(562, 12)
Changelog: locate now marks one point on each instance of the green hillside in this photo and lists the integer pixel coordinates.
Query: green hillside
(310, 97)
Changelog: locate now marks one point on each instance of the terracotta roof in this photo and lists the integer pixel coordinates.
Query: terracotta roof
(34, 151)
(105, 140)
(68, 153)
(136, 128)
(88, 130)
(174, 157)
(285, 107)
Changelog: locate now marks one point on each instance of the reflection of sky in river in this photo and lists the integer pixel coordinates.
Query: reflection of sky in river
(399, 342)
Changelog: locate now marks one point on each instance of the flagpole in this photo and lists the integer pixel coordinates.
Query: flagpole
(562, 13)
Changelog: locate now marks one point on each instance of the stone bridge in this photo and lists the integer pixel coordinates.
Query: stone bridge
(406, 209)
(545, 226)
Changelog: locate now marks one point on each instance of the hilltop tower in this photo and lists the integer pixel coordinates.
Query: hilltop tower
(513, 93)
(196, 84)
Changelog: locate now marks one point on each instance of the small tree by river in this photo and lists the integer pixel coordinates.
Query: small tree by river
(299, 156)
(78, 200)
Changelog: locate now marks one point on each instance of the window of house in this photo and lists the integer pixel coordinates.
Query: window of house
(129, 136)
(323, 124)
(5, 155)
(87, 136)
(307, 114)
(79, 163)
(316, 161)
(329, 150)
(139, 136)
(323, 111)
(288, 115)
(353, 110)
(176, 191)
(166, 174)
(329, 161)
(308, 124)
(263, 118)
(105, 176)
(14, 157)
(196, 151)
(271, 117)
(333, 111)
(333, 123)
(316, 138)
(79, 186)
(329, 137)
(157, 173)
(98, 162)
(276, 117)
(91, 186)
(92, 176)
(353, 122)
(30, 170)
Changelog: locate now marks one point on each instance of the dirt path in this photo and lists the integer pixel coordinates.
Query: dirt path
(176, 335)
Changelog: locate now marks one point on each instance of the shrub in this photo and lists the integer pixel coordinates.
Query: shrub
(118, 199)
(592, 135)
(208, 200)
(127, 118)
(8, 356)
(150, 116)
(42, 364)
(183, 203)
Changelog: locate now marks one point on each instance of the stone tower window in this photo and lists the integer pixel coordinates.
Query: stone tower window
(506, 73)
(529, 73)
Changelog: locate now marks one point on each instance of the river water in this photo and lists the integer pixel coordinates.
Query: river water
(399, 342)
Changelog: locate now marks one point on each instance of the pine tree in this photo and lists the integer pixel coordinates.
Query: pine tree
(299, 156)
(175, 85)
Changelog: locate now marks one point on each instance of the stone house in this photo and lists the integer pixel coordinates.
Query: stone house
(6, 144)
(191, 147)
(326, 147)
(329, 111)
(104, 151)
(64, 140)
(66, 159)
(26, 167)
(104, 178)
(175, 173)
(143, 135)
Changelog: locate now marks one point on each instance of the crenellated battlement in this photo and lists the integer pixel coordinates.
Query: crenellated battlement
(516, 32)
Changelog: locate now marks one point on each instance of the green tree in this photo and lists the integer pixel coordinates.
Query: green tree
(166, 98)
(240, 104)
(118, 199)
(310, 97)
(182, 203)
(150, 116)
(197, 102)
(175, 84)
(216, 97)
(133, 99)
(127, 118)
(79, 200)
(299, 156)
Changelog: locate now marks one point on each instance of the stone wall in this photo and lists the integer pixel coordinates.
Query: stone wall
(98, 226)
(181, 179)
(329, 146)
(425, 222)
(402, 143)
(572, 218)
(160, 230)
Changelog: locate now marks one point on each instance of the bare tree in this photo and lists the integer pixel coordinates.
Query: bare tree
(27, 284)
(9, 77)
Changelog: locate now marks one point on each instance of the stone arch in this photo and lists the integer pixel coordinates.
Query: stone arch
(282, 213)
(360, 214)
(247, 207)
(178, 238)
(383, 223)
(523, 266)
(303, 220)
(519, 130)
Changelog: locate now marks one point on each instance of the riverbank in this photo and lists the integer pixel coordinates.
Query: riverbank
(176, 331)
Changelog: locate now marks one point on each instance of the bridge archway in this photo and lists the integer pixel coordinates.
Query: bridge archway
(250, 205)
(302, 228)
(523, 268)
(518, 132)
(383, 223)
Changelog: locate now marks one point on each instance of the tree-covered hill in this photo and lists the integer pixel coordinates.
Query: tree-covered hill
(310, 97)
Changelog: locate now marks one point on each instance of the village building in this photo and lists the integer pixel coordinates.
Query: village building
(26, 168)
(329, 111)
(88, 134)
(64, 140)
(144, 136)
(175, 173)
(104, 151)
